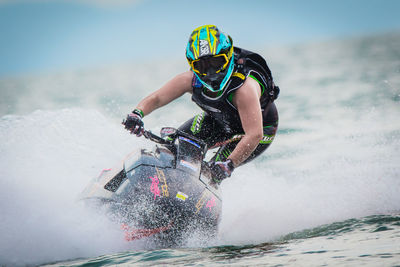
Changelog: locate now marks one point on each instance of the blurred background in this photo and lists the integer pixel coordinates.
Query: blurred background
(54, 51)
(39, 36)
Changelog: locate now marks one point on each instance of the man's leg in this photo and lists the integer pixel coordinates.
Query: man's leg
(226, 149)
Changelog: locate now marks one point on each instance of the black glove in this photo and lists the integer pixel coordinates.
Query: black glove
(134, 123)
(221, 170)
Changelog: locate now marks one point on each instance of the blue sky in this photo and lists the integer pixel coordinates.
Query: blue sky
(39, 36)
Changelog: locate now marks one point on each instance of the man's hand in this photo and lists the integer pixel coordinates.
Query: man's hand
(221, 170)
(134, 123)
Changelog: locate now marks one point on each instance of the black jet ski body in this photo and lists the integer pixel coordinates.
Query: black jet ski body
(164, 193)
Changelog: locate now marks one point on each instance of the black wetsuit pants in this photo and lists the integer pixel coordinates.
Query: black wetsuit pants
(206, 128)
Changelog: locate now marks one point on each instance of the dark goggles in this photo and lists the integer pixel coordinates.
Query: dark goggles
(210, 65)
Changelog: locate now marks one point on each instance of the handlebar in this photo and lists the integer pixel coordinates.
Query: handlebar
(155, 138)
(173, 133)
(205, 167)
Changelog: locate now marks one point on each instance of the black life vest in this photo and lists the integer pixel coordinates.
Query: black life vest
(221, 108)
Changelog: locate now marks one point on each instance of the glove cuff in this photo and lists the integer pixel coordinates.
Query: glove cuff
(138, 112)
(230, 165)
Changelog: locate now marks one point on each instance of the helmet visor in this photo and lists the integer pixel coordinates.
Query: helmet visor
(210, 65)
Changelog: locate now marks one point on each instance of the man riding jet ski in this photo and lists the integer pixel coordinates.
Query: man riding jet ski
(235, 89)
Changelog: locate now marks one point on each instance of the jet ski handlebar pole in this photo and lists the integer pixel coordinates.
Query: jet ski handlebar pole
(155, 138)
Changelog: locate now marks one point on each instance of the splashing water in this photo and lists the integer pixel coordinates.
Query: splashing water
(335, 156)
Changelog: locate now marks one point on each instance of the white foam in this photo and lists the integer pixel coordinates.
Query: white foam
(47, 160)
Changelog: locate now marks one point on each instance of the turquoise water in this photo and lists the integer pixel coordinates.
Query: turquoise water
(327, 192)
(352, 242)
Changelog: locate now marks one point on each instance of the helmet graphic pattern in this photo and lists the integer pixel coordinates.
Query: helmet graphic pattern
(206, 41)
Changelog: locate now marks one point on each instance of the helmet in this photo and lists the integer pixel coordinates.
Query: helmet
(210, 56)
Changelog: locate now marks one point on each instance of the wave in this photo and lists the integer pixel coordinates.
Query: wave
(366, 240)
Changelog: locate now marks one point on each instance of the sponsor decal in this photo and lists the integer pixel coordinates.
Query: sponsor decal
(211, 203)
(267, 139)
(204, 49)
(189, 165)
(132, 234)
(181, 196)
(196, 126)
(239, 75)
(167, 130)
(164, 186)
(189, 141)
(196, 82)
(202, 200)
(154, 186)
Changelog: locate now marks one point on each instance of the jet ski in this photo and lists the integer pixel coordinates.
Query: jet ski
(164, 194)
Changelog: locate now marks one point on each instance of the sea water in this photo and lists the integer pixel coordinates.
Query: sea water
(327, 191)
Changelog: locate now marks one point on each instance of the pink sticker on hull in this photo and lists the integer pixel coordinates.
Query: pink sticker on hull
(154, 186)
(211, 203)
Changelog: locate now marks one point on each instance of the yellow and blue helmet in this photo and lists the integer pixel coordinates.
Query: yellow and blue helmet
(210, 56)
